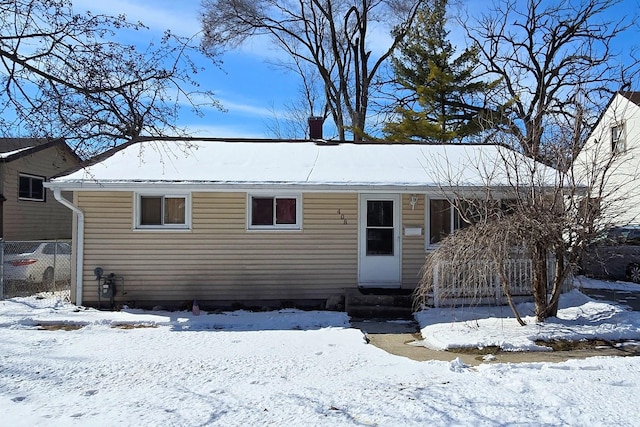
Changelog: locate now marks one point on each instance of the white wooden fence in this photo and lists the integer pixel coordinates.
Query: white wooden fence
(478, 283)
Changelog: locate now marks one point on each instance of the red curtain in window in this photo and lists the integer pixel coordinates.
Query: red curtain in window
(285, 211)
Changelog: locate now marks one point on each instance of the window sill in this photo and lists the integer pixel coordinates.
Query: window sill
(274, 229)
(163, 229)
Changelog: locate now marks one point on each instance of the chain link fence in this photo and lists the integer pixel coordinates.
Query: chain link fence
(40, 268)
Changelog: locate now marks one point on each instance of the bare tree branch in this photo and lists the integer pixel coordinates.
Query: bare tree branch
(545, 54)
(332, 36)
(558, 70)
(64, 76)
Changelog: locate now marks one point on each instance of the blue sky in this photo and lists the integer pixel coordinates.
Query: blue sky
(253, 92)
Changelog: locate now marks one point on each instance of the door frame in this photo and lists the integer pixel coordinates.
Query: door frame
(395, 279)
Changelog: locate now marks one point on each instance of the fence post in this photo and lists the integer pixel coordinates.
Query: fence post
(497, 284)
(436, 297)
(55, 267)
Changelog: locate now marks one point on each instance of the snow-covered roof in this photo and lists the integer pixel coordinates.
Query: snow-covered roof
(222, 164)
(11, 153)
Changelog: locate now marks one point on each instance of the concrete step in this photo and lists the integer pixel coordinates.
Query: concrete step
(379, 303)
(379, 312)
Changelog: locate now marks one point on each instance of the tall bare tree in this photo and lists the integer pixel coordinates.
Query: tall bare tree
(558, 69)
(333, 37)
(557, 64)
(64, 75)
(293, 122)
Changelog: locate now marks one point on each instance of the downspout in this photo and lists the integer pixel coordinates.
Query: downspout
(79, 241)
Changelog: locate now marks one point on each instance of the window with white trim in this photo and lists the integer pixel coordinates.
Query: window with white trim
(31, 187)
(274, 212)
(163, 211)
(618, 143)
(442, 220)
(444, 217)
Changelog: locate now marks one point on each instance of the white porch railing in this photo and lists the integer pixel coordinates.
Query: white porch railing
(479, 282)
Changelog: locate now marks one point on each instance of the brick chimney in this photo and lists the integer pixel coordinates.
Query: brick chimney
(315, 127)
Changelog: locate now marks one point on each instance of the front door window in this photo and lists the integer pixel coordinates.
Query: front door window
(380, 227)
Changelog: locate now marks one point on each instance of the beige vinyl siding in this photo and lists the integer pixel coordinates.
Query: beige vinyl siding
(35, 220)
(219, 259)
(412, 246)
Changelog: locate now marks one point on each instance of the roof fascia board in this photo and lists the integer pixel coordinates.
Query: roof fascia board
(244, 187)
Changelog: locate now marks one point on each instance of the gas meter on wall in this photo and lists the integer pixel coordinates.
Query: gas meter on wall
(107, 286)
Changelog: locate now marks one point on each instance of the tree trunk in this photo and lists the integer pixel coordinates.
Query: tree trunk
(357, 126)
(561, 272)
(539, 279)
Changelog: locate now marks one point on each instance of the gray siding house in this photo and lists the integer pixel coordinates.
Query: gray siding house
(28, 211)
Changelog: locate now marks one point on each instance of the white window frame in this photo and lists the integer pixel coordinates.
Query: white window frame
(168, 227)
(32, 178)
(618, 145)
(275, 227)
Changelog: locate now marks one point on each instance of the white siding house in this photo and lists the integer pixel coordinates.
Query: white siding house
(611, 157)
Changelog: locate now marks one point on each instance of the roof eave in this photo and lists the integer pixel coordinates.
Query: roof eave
(58, 142)
(265, 186)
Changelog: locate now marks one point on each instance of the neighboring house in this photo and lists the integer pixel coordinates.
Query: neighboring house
(262, 222)
(27, 210)
(611, 156)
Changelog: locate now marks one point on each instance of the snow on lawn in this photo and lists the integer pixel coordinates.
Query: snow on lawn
(301, 368)
(579, 318)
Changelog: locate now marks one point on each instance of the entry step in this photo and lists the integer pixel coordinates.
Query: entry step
(384, 304)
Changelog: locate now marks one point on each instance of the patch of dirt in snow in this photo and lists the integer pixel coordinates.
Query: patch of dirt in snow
(133, 325)
(76, 326)
(565, 345)
(491, 349)
(59, 327)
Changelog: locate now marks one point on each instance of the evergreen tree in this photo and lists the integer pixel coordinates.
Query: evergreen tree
(443, 94)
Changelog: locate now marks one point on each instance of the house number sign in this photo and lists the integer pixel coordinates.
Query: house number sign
(342, 217)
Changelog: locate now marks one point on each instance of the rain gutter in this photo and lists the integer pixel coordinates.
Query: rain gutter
(79, 241)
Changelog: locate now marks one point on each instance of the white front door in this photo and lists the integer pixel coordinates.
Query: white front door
(379, 241)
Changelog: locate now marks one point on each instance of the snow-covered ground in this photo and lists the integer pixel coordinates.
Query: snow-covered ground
(579, 317)
(291, 368)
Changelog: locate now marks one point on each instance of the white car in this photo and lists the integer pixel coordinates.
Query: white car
(37, 262)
